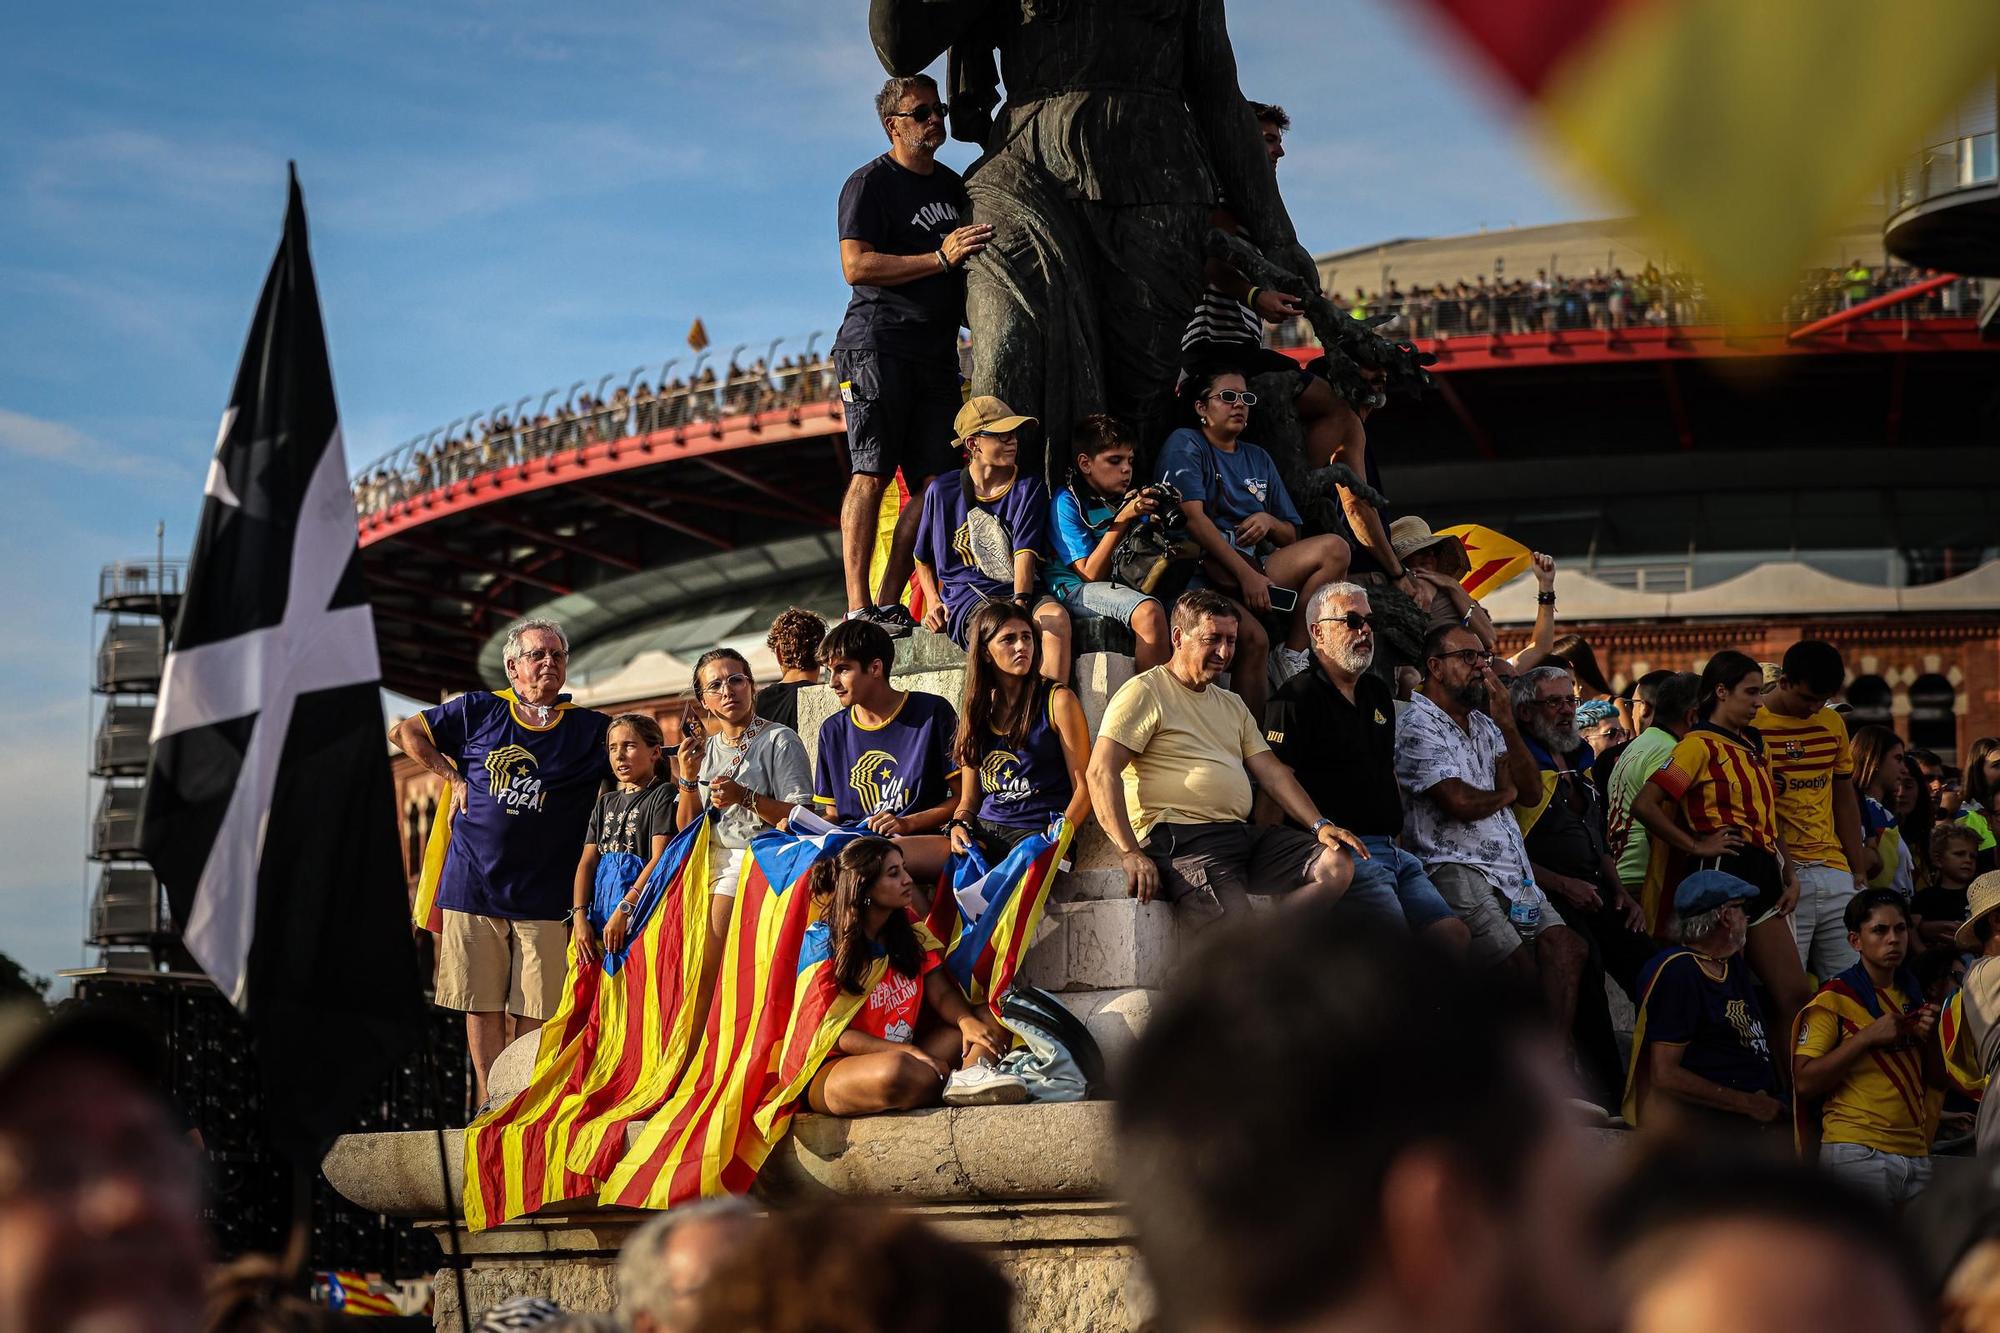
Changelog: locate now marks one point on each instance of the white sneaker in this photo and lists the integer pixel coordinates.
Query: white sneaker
(984, 1085)
(1291, 661)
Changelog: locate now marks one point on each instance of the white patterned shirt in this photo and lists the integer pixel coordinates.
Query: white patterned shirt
(1430, 748)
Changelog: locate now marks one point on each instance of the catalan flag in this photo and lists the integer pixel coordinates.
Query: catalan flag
(776, 1012)
(1961, 1054)
(352, 1293)
(1742, 132)
(620, 1038)
(1495, 559)
(990, 919)
(895, 499)
(1885, 1092)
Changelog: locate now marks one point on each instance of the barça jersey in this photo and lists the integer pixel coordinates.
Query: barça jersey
(1721, 779)
(902, 766)
(514, 849)
(1807, 754)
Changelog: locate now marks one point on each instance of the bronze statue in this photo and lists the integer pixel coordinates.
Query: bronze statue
(1123, 127)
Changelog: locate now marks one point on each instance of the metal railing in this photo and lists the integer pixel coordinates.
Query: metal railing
(503, 436)
(1945, 168)
(130, 580)
(1481, 310)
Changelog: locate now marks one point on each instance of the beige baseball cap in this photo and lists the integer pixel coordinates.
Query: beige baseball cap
(987, 415)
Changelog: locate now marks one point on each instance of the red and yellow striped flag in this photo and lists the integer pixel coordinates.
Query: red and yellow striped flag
(352, 1293)
(1495, 559)
(1743, 133)
(895, 498)
(988, 922)
(704, 1140)
(618, 1041)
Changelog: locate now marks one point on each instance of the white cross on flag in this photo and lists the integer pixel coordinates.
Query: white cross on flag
(269, 813)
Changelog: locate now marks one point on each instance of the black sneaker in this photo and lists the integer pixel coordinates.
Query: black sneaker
(893, 618)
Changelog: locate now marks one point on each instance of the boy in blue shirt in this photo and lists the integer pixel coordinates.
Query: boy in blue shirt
(1087, 519)
(981, 536)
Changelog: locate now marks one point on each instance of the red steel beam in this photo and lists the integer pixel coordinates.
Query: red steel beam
(570, 544)
(1870, 306)
(412, 586)
(620, 503)
(481, 564)
(742, 478)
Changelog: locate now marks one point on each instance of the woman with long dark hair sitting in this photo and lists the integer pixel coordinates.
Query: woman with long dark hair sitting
(915, 1033)
(1022, 743)
(1713, 807)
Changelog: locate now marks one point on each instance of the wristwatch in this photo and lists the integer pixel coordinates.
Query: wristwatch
(1322, 822)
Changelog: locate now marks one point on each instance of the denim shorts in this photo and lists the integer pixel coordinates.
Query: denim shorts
(1110, 601)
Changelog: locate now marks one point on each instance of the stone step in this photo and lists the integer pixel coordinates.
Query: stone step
(1104, 944)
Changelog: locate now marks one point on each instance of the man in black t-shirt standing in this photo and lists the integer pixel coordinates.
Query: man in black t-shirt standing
(903, 249)
(1334, 724)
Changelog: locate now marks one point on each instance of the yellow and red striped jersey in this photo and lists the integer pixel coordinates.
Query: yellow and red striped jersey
(1721, 779)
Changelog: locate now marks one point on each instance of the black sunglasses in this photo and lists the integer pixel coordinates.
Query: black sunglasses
(924, 114)
(1354, 620)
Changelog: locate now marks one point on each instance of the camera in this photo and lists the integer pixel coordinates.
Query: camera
(1167, 497)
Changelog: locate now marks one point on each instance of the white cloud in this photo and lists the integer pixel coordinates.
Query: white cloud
(58, 442)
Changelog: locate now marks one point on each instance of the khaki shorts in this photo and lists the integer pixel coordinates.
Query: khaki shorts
(1483, 908)
(487, 964)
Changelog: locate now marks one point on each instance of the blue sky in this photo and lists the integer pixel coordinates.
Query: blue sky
(504, 198)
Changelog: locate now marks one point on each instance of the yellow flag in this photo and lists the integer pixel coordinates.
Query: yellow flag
(1743, 131)
(1495, 558)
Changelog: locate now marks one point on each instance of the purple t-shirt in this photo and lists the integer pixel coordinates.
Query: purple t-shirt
(959, 534)
(514, 848)
(902, 766)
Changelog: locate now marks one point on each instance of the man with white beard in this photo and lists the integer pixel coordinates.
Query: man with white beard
(1334, 724)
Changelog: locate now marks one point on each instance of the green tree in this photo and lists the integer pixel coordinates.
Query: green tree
(16, 983)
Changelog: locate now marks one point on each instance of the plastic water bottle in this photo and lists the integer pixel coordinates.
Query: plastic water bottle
(1525, 911)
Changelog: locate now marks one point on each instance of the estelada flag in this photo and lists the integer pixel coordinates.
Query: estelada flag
(1743, 133)
(777, 1011)
(697, 335)
(989, 918)
(1961, 1054)
(351, 1293)
(1494, 559)
(619, 1039)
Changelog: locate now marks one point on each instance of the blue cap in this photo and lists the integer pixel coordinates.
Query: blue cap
(1706, 890)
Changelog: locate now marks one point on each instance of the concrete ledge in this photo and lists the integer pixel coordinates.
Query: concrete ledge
(1104, 944)
(1050, 1151)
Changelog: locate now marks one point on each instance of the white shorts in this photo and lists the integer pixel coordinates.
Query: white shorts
(725, 870)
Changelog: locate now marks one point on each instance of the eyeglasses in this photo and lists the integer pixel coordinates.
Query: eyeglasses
(539, 655)
(1559, 703)
(923, 114)
(735, 680)
(1354, 620)
(1469, 656)
(1231, 397)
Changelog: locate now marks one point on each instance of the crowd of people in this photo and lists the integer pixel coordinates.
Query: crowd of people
(1552, 302)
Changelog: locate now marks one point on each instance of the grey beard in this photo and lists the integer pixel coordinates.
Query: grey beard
(1558, 739)
(1352, 657)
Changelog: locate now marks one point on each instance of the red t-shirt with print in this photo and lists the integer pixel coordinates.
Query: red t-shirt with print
(891, 1010)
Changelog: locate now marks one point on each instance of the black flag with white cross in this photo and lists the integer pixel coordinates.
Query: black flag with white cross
(269, 813)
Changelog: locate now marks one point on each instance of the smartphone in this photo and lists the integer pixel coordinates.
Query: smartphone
(1283, 599)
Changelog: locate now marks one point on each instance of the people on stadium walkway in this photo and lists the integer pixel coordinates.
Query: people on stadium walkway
(1666, 701)
(1866, 1051)
(1294, 1156)
(523, 767)
(1461, 769)
(904, 240)
(885, 758)
(1089, 518)
(1700, 1054)
(629, 828)
(1562, 825)
(983, 532)
(1022, 744)
(1170, 780)
(1250, 532)
(1819, 818)
(1713, 807)
(794, 640)
(914, 1033)
(748, 769)
(101, 1194)
(1334, 725)
(666, 1265)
